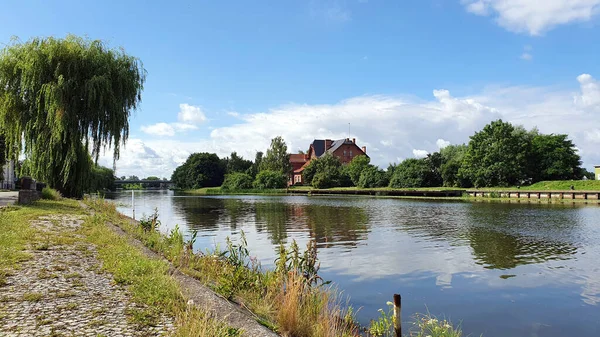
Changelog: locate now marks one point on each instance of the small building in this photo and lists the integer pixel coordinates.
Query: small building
(597, 172)
(344, 149)
(7, 180)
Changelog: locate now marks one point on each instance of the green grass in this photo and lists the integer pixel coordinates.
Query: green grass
(149, 282)
(219, 191)
(51, 194)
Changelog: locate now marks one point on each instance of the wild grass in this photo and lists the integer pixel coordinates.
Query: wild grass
(51, 194)
(149, 282)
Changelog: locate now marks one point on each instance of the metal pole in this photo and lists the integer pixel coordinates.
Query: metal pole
(133, 203)
(398, 315)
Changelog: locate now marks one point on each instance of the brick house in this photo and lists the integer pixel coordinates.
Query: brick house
(345, 149)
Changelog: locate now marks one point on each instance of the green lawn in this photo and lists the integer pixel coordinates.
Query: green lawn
(557, 185)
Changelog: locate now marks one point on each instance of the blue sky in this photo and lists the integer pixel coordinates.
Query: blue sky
(410, 76)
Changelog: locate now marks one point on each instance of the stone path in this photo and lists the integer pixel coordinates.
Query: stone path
(62, 291)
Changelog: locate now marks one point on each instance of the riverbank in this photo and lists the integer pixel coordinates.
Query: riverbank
(64, 271)
(291, 299)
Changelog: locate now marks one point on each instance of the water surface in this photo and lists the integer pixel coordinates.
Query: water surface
(499, 269)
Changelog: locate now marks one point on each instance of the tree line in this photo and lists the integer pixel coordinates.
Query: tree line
(267, 171)
(500, 154)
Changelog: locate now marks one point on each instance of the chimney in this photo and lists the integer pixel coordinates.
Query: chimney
(327, 144)
(354, 140)
(364, 148)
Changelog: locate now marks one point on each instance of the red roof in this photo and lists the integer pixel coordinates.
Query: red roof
(297, 158)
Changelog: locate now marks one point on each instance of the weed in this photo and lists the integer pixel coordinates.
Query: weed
(150, 223)
(32, 297)
(65, 294)
(143, 316)
(73, 275)
(51, 194)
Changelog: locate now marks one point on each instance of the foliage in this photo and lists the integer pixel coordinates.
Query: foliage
(59, 97)
(199, 170)
(235, 163)
(410, 173)
(237, 181)
(51, 194)
(2, 152)
(428, 326)
(151, 222)
(277, 157)
(496, 156)
(384, 325)
(355, 168)
(101, 179)
(325, 172)
(554, 157)
(255, 167)
(268, 179)
(132, 177)
(133, 187)
(153, 178)
(372, 177)
(452, 159)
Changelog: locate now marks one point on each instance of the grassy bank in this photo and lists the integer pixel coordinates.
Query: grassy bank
(220, 191)
(147, 280)
(292, 299)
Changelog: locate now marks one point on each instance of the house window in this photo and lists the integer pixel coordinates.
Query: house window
(345, 153)
(350, 153)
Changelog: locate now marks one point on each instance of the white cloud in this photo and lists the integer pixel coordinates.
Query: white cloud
(526, 57)
(590, 92)
(168, 130)
(419, 153)
(534, 16)
(391, 127)
(159, 129)
(442, 143)
(190, 114)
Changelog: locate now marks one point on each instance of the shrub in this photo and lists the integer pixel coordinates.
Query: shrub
(50, 194)
(237, 181)
(322, 180)
(268, 179)
(372, 177)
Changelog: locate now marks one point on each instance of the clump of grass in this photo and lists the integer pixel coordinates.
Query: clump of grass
(51, 194)
(429, 326)
(32, 297)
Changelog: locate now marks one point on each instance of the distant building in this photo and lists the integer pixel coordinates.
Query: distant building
(344, 149)
(7, 180)
(597, 172)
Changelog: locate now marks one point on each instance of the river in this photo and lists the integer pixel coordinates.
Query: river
(498, 269)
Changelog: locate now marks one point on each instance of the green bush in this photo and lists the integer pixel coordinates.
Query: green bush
(50, 194)
(268, 179)
(372, 177)
(322, 180)
(237, 181)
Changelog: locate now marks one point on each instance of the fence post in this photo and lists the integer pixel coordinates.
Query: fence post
(133, 204)
(398, 315)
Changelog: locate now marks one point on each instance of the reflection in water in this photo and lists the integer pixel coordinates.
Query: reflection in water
(498, 268)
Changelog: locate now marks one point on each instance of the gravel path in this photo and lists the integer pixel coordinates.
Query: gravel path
(62, 291)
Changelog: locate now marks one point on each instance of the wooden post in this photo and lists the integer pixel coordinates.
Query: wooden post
(398, 315)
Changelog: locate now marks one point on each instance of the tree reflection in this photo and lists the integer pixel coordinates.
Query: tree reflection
(340, 225)
(504, 237)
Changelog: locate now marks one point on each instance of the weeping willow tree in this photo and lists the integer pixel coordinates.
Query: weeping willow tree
(62, 100)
